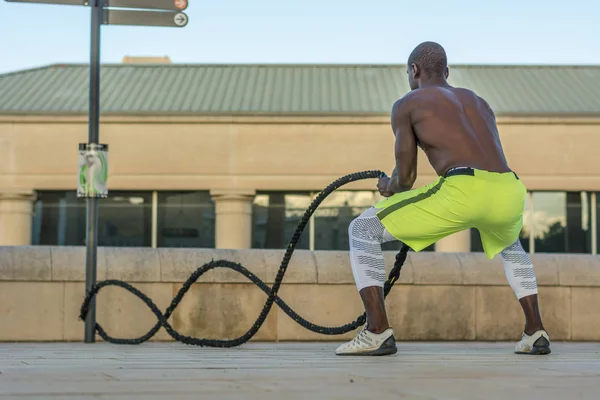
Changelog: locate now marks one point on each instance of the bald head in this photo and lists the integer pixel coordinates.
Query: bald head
(430, 58)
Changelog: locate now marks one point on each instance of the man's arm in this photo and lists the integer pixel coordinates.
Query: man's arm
(405, 149)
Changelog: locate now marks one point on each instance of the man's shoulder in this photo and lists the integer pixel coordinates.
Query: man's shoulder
(408, 97)
(404, 103)
(410, 101)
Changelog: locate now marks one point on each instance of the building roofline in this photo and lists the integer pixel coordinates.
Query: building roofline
(265, 118)
(276, 114)
(303, 65)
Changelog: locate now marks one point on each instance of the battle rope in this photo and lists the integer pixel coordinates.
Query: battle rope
(271, 292)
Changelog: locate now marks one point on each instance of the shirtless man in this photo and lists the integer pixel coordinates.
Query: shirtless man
(475, 189)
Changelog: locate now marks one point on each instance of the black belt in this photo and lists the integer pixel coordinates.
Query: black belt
(464, 171)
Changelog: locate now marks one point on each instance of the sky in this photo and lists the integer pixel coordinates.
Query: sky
(312, 31)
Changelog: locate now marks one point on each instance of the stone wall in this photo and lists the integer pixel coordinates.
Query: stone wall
(441, 296)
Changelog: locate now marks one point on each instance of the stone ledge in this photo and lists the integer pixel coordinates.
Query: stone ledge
(68, 263)
(48, 311)
(578, 270)
(25, 263)
(175, 265)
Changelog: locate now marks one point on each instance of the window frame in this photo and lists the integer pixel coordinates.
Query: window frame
(154, 213)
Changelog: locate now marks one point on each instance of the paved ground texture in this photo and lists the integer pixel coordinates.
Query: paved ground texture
(296, 371)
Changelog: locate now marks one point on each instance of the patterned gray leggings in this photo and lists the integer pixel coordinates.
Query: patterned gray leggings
(366, 257)
(366, 234)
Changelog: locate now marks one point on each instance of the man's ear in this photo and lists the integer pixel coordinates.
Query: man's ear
(415, 70)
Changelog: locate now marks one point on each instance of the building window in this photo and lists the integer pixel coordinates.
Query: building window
(275, 216)
(334, 215)
(549, 221)
(595, 208)
(124, 219)
(579, 226)
(185, 219)
(553, 222)
(561, 222)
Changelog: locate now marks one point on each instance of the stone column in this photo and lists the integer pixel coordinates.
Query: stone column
(233, 209)
(16, 212)
(455, 243)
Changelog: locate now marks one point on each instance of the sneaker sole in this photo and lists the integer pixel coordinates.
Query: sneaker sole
(536, 351)
(540, 347)
(387, 348)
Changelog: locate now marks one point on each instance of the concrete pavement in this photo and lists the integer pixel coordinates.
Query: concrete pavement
(419, 370)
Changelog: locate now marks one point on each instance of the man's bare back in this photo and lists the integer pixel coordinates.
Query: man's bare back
(454, 127)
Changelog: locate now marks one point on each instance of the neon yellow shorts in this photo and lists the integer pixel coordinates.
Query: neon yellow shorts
(491, 202)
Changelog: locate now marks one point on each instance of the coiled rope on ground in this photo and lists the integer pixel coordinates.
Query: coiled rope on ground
(272, 296)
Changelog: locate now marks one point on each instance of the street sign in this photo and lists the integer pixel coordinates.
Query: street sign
(63, 2)
(145, 18)
(169, 5)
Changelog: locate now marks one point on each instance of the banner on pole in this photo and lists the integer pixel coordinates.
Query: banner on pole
(93, 170)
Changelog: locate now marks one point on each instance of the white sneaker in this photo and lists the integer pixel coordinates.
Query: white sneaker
(538, 343)
(367, 343)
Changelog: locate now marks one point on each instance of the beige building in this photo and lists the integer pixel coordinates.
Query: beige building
(229, 156)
